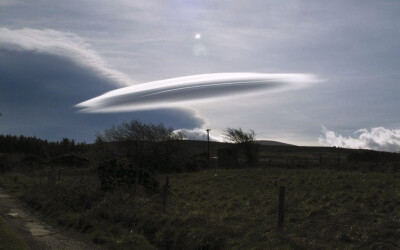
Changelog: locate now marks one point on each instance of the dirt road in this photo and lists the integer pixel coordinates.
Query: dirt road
(38, 234)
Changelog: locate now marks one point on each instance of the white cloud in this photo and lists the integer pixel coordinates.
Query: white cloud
(379, 138)
(63, 44)
(180, 91)
(198, 134)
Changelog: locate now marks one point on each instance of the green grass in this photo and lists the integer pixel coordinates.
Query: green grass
(229, 209)
(324, 208)
(16, 183)
(69, 203)
(8, 239)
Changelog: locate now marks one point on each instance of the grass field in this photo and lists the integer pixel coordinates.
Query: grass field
(8, 238)
(324, 208)
(228, 209)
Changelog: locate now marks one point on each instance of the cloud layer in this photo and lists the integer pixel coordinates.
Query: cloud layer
(353, 46)
(42, 78)
(177, 91)
(198, 134)
(379, 138)
(62, 44)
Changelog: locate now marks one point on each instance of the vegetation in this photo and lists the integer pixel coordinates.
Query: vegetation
(237, 209)
(372, 156)
(237, 135)
(245, 141)
(148, 146)
(142, 187)
(8, 239)
(34, 146)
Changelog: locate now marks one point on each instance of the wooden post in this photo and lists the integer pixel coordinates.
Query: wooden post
(166, 193)
(281, 208)
(137, 177)
(140, 177)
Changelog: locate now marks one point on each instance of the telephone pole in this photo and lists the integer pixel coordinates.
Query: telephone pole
(208, 146)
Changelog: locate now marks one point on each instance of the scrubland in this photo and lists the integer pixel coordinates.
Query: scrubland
(325, 208)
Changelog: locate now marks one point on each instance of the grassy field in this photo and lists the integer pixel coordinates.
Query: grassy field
(227, 209)
(325, 208)
(8, 239)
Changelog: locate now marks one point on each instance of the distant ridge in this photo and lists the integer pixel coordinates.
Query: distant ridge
(272, 143)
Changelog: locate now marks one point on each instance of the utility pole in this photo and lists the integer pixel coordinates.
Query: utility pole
(208, 146)
(281, 208)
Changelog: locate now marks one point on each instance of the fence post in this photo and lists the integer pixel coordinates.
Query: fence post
(165, 193)
(49, 176)
(136, 177)
(281, 208)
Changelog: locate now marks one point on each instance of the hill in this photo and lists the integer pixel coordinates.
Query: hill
(273, 143)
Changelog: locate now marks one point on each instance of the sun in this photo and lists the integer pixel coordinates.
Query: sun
(197, 36)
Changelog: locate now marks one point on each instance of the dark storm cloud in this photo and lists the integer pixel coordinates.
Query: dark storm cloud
(62, 44)
(353, 46)
(38, 91)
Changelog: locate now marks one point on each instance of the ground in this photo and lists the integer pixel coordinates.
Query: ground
(215, 209)
(30, 229)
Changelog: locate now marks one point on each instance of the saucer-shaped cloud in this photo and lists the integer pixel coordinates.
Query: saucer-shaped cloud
(179, 91)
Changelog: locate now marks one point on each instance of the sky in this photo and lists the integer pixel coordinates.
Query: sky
(57, 54)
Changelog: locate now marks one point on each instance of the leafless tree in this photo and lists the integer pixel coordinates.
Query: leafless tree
(245, 141)
(147, 145)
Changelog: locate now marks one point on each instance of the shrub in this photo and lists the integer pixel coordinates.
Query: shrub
(116, 174)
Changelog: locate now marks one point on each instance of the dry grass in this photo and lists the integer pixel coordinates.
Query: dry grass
(230, 209)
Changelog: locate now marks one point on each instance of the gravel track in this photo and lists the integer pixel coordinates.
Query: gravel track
(37, 233)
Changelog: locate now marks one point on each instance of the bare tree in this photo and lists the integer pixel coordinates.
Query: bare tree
(147, 145)
(237, 135)
(245, 141)
(138, 131)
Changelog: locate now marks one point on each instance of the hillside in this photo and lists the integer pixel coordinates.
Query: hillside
(226, 209)
(119, 198)
(272, 143)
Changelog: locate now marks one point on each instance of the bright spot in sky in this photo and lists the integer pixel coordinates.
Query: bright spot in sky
(197, 36)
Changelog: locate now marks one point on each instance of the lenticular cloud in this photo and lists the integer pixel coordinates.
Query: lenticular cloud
(177, 92)
(380, 138)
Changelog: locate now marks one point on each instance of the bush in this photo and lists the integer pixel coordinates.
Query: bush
(75, 195)
(116, 174)
(71, 160)
(149, 146)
